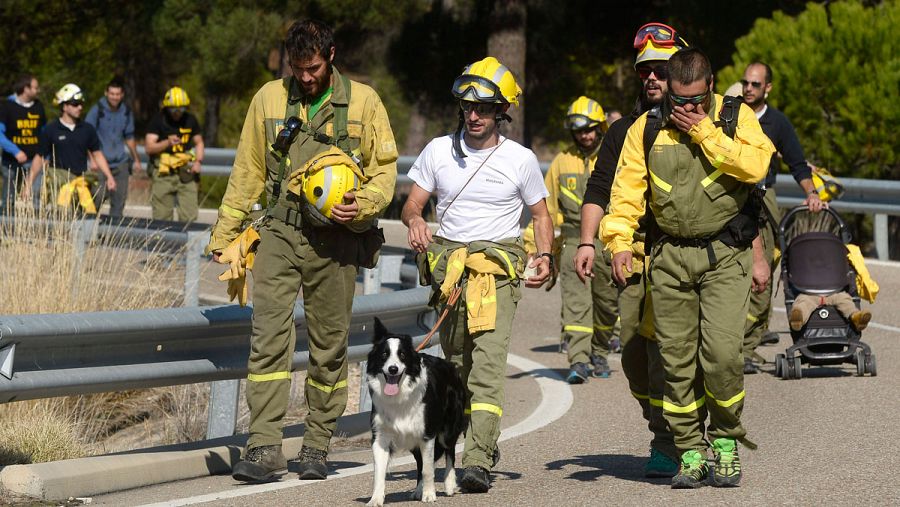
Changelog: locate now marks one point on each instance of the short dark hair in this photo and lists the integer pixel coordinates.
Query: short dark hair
(22, 82)
(307, 38)
(116, 82)
(689, 65)
(765, 66)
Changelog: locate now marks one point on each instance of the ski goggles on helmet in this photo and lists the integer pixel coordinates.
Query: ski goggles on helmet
(660, 34)
(476, 89)
(579, 122)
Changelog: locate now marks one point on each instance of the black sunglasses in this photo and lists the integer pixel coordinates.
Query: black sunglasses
(480, 108)
(661, 71)
(75, 103)
(696, 99)
(755, 84)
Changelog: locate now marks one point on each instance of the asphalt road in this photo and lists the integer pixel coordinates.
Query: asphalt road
(826, 439)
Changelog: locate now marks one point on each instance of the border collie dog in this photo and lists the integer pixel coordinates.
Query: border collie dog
(417, 406)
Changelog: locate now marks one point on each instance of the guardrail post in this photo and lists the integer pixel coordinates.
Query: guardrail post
(81, 236)
(880, 230)
(223, 408)
(371, 285)
(193, 251)
(223, 394)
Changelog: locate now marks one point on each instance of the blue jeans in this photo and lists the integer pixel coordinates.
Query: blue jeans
(13, 179)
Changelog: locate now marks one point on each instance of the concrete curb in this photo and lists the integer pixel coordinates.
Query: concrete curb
(132, 469)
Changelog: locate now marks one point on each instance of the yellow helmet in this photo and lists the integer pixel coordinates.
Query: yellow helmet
(68, 93)
(652, 52)
(585, 113)
(826, 184)
(487, 80)
(323, 181)
(176, 97)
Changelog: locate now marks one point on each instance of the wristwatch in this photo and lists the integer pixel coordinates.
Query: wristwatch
(549, 256)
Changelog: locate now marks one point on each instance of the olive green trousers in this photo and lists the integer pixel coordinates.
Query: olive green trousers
(642, 362)
(699, 311)
(480, 359)
(589, 312)
(287, 260)
(761, 303)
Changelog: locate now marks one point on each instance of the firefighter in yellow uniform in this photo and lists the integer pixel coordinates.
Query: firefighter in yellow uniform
(588, 311)
(174, 143)
(318, 247)
(700, 181)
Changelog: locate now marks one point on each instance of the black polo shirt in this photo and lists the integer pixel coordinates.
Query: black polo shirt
(68, 149)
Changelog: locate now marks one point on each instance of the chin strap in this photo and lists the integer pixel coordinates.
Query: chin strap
(457, 144)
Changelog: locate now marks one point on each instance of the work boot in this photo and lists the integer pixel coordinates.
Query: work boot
(601, 366)
(750, 367)
(496, 457)
(796, 319)
(615, 346)
(579, 373)
(564, 346)
(860, 319)
(312, 464)
(259, 464)
(475, 480)
(693, 471)
(660, 465)
(770, 338)
(727, 471)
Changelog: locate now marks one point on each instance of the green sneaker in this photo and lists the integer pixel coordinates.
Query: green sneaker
(660, 465)
(727, 472)
(693, 471)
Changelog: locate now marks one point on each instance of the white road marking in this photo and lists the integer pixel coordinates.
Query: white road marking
(556, 399)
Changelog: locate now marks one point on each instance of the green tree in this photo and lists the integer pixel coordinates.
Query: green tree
(836, 71)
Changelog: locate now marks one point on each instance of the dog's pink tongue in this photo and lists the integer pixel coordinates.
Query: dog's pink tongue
(391, 389)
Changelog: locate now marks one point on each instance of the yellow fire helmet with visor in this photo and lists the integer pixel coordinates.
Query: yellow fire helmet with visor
(487, 80)
(176, 97)
(69, 92)
(657, 42)
(585, 113)
(323, 181)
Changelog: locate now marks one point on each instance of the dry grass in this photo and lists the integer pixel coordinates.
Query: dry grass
(47, 272)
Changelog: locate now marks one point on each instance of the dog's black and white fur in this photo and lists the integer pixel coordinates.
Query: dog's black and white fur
(417, 405)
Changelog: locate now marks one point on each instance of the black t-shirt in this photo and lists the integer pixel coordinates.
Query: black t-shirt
(68, 149)
(780, 131)
(23, 127)
(163, 126)
(599, 185)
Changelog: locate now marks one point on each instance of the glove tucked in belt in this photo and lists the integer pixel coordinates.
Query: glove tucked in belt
(80, 188)
(239, 255)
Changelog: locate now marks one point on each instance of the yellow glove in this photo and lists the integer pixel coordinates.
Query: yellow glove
(239, 255)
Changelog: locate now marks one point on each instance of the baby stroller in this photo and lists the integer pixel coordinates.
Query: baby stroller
(814, 261)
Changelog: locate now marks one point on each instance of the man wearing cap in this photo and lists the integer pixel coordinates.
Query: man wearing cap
(174, 144)
(291, 124)
(588, 312)
(756, 85)
(65, 146)
(641, 361)
(483, 181)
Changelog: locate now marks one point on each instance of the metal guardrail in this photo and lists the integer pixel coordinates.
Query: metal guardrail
(869, 197)
(43, 356)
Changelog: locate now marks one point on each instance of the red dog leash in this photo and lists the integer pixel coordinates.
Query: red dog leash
(451, 302)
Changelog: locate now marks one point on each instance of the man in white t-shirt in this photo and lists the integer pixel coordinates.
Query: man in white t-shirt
(483, 181)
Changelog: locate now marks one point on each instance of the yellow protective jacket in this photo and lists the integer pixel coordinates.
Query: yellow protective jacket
(866, 286)
(256, 168)
(482, 262)
(694, 189)
(566, 180)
